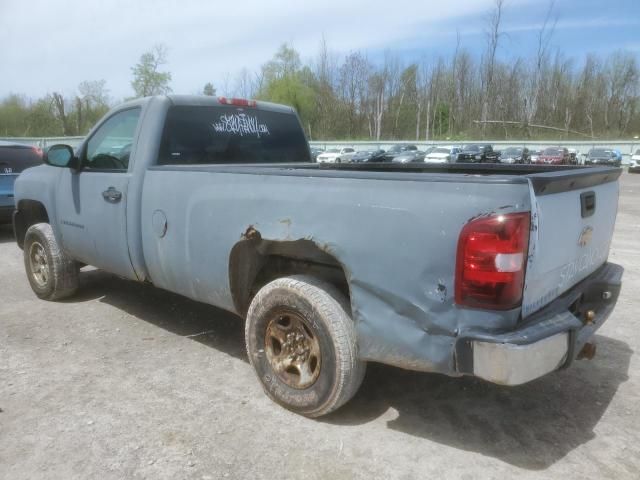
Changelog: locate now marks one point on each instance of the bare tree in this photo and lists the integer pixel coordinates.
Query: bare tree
(58, 105)
(493, 35)
(532, 88)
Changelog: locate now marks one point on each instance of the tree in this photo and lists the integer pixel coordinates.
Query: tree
(209, 90)
(147, 77)
(493, 38)
(353, 79)
(91, 103)
(284, 81)
(58, 104)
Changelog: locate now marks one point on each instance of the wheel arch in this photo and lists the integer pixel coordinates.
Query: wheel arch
(28, 213)
(254, 262)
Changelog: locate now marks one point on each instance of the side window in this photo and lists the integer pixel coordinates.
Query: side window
(110, 146)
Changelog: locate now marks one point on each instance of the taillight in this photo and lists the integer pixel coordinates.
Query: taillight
(239, 102)
(491, 261)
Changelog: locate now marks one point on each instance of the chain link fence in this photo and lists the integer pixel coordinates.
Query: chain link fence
(626, 147)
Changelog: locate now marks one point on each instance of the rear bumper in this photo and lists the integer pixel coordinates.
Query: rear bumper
(634, 169)
(549, 340)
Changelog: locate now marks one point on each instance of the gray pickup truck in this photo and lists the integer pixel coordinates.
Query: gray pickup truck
(497, 271)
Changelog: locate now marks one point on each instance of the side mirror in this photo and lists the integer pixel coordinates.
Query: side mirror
(60, 156)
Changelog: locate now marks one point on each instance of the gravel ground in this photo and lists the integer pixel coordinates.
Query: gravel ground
(125, 381)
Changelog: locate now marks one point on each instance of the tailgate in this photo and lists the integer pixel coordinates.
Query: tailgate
(573, 215)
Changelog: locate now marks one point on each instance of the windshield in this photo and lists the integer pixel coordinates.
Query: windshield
(472, 148)
(395, 148)
(600, 152)
(441, 150)
(512, 151)
(555, 152)
(228, 134)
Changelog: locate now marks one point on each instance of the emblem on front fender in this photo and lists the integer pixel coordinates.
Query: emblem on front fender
(585, 236)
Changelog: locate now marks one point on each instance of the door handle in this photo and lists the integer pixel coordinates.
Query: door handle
(112, 195)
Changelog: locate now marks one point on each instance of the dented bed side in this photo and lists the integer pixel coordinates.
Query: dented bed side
(402, 301)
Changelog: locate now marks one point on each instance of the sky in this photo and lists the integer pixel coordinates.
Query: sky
(48, 46)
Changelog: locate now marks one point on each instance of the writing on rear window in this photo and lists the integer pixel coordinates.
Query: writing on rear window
(240, 124)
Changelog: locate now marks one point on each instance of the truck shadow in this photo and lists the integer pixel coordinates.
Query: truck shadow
(531, 426)
(203, 323)
(6, 234)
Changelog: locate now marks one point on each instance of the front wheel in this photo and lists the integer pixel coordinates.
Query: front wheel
(301, 343)
(51, 273)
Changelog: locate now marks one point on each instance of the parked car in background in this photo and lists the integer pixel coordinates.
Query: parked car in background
(515, 155)
(444, 154)
(429, 149)
(602, 156)
(554, 156)
(14, 158)
(534, 154)
(336, 155)
(396, 150)
(618, 155)
(573, 156)
(409, 157)
(315, 151)
(368, 156)
(478, 154)
(634, 166)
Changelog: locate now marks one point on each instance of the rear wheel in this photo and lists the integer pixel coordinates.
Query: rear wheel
(51, 273)
(301, 343)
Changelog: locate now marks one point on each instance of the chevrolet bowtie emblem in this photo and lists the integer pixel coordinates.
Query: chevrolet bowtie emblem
(585, 236)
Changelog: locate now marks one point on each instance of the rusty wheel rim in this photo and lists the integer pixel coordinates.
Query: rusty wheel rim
(38, 264)
(293, 350)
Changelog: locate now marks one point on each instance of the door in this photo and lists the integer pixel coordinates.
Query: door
(92, 203)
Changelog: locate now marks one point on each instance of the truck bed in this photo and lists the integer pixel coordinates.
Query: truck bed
(544, 178)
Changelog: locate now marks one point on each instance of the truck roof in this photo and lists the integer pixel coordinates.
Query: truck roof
(204, 101)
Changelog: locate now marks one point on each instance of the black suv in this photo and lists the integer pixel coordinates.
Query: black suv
(478, 154)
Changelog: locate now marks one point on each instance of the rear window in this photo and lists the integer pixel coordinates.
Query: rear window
(231, 135)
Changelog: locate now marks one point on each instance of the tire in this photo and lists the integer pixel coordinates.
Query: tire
(314, 314)
(51, 273)
(338, 160)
